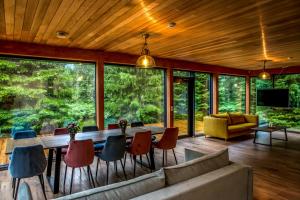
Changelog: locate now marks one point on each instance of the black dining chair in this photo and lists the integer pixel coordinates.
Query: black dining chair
(136, 124)
(99, 146)
(114, 150)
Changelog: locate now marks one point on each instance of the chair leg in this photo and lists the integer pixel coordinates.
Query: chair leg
(71, 180)
(13, 186)
(141, 160)
(116, 167)
(149, 162)
(123, 167)
(16, 192)
(90, 174)
(174, 156)
(97, 168)
(125, 155)
(43, 185)
(66, 169)
(166, 152)
(134, 165)
(107, 172)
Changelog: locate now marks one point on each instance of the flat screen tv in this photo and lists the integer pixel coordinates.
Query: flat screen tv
(272, 97)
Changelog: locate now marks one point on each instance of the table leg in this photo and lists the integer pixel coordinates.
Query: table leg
(270, 138)
(286, 138)
(57, 171)
(254, 140)
(152, 163)
(49, 165)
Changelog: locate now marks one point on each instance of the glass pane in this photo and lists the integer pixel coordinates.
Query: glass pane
(202, 100)
(181, 107)
(45, 94)
(257, 83)
(134, 94)
(232, 90)
(182, 73)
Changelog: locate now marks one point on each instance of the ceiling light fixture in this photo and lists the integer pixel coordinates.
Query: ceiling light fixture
(145, 60)
(264, 75)
(62, 34)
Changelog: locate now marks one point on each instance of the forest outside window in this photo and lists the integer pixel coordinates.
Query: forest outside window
(232, 93)
(134, 94)
(42, 94)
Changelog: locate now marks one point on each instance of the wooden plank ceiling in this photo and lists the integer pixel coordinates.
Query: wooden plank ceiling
(232, 33)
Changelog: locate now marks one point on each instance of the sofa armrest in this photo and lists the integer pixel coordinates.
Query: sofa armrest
(251, 118)
(216, 127)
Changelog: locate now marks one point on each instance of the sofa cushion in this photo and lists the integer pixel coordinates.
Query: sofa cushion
(237, 118)
(223, 115)
(196, 167)
(122, 190)
(240, 127)
(232, 182)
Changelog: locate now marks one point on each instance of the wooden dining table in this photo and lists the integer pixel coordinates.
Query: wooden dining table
(57, 142)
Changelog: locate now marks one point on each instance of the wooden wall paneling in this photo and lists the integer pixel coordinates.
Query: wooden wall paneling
(170, 102)
(247, 98)
(9, 8)
(2, 21)
(215, 93)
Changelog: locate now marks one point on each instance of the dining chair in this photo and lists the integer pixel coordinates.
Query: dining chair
(80, 154)
(98, 146)
(24, 134)
(27, 162)
(114, 150)
(136, 124)
(139, 146)
(90, 128)
(167, 142)
(61, 131)
(112, 126)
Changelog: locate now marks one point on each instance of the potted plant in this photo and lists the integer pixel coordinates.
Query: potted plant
(123, 125)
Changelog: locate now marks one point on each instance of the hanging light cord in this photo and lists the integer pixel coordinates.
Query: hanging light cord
(145, 49)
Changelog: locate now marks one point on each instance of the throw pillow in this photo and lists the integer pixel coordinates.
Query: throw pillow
(237, 118)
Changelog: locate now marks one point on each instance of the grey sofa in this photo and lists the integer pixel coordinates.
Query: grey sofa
(209, 177)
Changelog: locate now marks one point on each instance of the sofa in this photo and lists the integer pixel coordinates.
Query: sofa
(229, 125)
(205, 177)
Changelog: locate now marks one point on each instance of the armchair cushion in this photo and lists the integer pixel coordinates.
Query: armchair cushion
(240, 127)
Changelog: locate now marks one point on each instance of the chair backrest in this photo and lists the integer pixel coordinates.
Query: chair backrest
(136, 124)
(114, 148)
(169, 138)
(113, 126)
(24, 134)
(80, 153)
(90, 128)
(60, 131)
(141, 143)
(27, 161)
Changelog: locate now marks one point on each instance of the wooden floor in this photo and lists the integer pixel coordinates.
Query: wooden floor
(276, 169)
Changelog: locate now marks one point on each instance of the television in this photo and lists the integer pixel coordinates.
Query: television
(272, 97)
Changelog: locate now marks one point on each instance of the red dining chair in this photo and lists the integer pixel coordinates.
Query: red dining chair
(139, 146)
(80, 154)
(61, 131)
(112, 126)
(168, 141)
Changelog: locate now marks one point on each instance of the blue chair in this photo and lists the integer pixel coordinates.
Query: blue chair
(27, 162)
(99, 146)
(24, 134)
(114, 150)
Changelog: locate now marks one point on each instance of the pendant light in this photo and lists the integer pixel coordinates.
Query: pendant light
(264, 75)
(145, 60)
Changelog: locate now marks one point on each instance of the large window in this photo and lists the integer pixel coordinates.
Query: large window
(232, 91)
(44, 94)
(134, 94)
(289, 117)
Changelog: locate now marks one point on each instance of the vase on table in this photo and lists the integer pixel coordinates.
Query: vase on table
(72, 129)
(123, 125)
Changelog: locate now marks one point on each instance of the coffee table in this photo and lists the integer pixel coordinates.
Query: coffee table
(270, 130)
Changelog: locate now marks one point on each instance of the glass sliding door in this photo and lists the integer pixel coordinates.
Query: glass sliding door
(134, 94)
(202, 100)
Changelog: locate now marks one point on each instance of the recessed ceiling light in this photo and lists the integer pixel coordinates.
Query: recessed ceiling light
(171, 24)
(62, 34)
